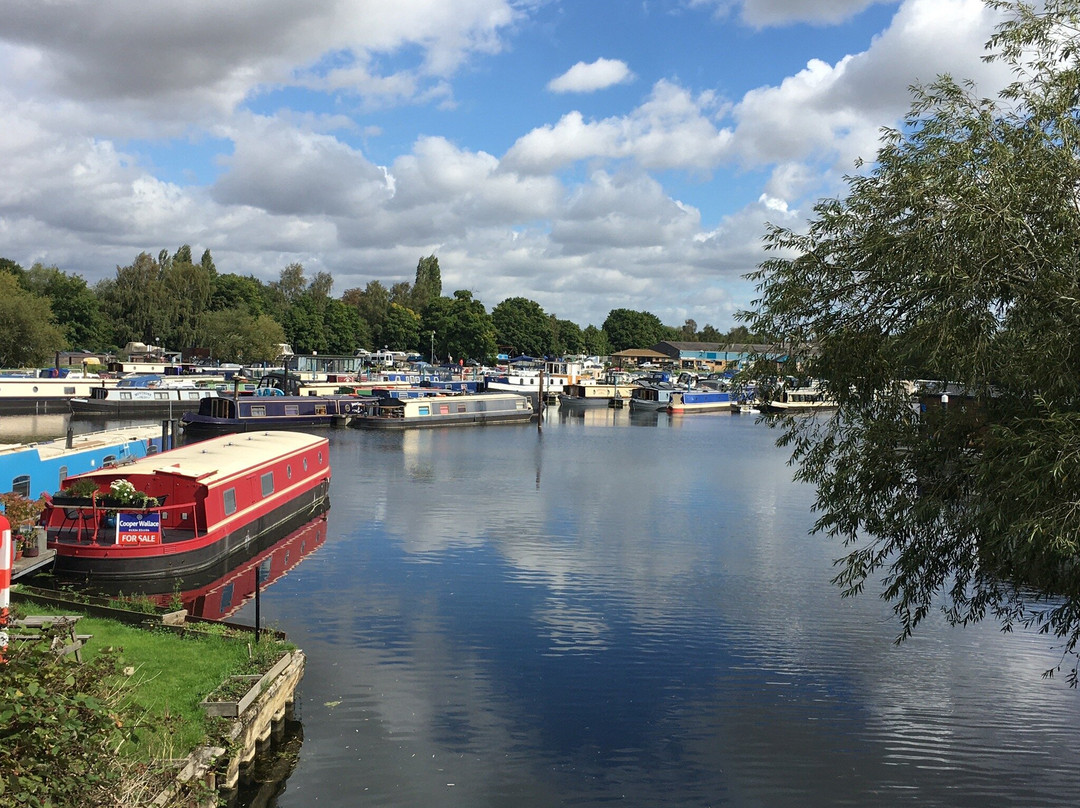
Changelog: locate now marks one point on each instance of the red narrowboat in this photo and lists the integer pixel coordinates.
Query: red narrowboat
(187, 510)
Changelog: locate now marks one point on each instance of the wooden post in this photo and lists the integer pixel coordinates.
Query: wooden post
(540, 404)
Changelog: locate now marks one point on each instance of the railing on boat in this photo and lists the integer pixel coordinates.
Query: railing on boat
(86, 524)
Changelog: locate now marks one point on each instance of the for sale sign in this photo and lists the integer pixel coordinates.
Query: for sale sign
(138, 529)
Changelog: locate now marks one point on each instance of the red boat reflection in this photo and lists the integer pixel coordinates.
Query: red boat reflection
(225, 596)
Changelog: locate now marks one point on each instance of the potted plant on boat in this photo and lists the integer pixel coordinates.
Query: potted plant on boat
(123, 494)
(76, 492)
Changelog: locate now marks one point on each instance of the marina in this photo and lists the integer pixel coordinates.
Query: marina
(493, 609)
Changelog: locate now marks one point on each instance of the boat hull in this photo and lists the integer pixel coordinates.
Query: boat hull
(124, 409)
(453, 419)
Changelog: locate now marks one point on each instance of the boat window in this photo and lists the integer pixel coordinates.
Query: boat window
(258, 410)
(230, 500)
(305, 464)
(423, 410)
(320, 457)
(267, 483)
(21, 485)
(288, 471)
(63, 476)
(69, 391)
(108, 459)
(125, 396)
(461, 408)
(444, 409)
(161, 395)
(292, 409)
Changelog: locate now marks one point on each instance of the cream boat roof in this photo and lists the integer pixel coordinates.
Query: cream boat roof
(217, 458)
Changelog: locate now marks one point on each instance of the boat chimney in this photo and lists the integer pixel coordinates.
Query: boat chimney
(70, 437)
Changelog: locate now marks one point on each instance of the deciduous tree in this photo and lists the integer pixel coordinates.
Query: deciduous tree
(956, 259)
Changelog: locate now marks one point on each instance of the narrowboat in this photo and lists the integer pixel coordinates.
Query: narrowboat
(143, 395)
(451, 410)
(39, 395)
(31, 469)
(687, 401)
(225, 414)
(187, 510)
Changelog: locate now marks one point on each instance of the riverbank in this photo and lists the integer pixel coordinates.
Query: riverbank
(162, 720)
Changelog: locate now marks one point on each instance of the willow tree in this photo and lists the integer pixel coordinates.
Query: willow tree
(954, 259)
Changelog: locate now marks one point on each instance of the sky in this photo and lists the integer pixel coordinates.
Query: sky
(588, 155)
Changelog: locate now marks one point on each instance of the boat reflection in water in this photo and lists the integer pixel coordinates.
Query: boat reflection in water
(224, 595)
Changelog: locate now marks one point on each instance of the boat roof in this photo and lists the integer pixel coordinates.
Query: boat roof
(216, 458)
(85, 441)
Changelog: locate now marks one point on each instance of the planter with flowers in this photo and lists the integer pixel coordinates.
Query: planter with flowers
(23, 513)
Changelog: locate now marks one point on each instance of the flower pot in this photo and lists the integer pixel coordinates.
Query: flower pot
(32, 552)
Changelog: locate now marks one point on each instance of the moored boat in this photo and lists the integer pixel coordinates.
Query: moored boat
(184, 511)
(35, 394)
(800, 399)
(33, 468)
(143, 395)
(651, 396)
(614, 388)
(452, 410)
(688, 401)
(258, 412)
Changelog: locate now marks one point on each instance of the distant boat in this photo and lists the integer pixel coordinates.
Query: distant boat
(143, 395)
(453, 410)
(41, 467)
(800, 399)
(690, 401)
(651, 396)
(613, 389)
(39, 395)
(526, 377)
(213, 500)
(224, 414)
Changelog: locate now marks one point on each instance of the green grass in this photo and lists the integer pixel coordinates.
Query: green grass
(172, 674)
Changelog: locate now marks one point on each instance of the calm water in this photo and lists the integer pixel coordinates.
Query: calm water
(629, 610)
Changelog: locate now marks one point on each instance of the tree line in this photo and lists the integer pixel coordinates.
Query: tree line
(187, 305)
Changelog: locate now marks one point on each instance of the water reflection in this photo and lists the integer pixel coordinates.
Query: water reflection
(645, 621)
(221, 598)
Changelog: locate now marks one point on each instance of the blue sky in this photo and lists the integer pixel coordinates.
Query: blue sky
(589, 155)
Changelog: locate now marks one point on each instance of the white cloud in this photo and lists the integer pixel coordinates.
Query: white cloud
(587, 78)
(581, 213)
(761, 13)
(671, 129)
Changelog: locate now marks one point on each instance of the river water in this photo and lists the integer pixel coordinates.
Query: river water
(629, 610)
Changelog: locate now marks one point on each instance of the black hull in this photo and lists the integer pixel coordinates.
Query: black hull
(205, 426)
(96, 410)
(35, 406)
(165, 569)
